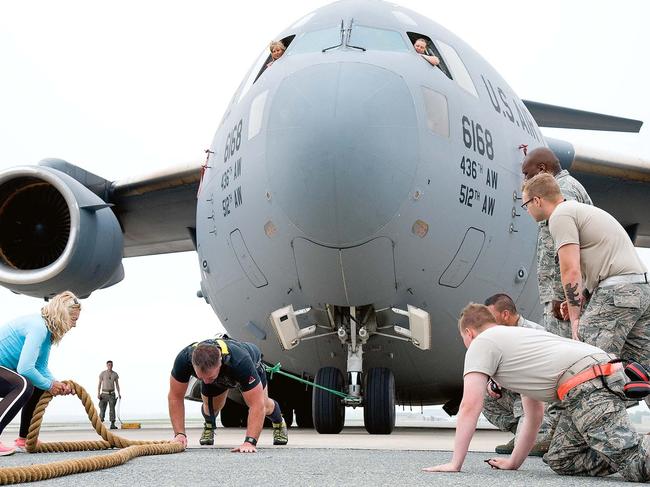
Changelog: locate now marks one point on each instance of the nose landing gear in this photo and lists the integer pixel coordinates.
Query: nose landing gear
(375, 389)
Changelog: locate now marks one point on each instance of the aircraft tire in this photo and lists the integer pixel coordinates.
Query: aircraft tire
(328, 409)
(379, 401)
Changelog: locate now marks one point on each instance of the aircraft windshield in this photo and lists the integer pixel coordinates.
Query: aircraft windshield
(374, 39)
(368, 38)
(316, 40)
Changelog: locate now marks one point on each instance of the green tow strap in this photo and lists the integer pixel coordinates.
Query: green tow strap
(276, 370)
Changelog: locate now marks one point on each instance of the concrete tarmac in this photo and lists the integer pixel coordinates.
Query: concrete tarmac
(350, 458)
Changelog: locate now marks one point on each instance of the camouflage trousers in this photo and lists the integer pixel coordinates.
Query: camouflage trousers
(507, 413)
(561, 328)
(617, 320)
(553, 325)
(594, 436)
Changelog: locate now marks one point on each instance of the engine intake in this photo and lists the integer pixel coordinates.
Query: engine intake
(55, 234)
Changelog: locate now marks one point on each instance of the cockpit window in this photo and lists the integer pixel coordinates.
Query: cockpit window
(317, 40)
(259, 67)
(457, 67)
(269, 60)
(371, 38)
(431, 50)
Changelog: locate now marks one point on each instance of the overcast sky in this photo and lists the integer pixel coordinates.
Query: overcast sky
(125, 87)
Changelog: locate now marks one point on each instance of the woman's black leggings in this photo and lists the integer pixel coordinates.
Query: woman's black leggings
(28, 412)
(15, 391)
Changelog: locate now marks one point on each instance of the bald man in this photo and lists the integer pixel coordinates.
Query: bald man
(551, 292)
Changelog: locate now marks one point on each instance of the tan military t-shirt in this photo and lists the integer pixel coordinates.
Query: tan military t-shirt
(525, 360)
(605, 248)
(108, 380)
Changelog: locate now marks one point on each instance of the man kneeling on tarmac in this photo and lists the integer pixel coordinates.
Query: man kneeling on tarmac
(502, 407)
(222, 364)
(594, 436)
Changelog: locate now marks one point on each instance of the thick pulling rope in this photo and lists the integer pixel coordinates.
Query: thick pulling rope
(130, 448)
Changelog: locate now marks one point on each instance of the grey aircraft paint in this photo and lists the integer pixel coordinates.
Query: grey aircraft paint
(335, 152)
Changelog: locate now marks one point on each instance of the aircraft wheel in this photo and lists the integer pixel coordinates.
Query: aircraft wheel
(328, 409)
(233, 415)
(379, 401)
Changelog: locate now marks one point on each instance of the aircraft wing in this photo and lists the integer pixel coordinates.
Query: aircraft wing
(569, 118)
(618, 184)
(157, 211)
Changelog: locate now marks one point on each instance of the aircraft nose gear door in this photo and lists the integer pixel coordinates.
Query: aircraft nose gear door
(374, 390)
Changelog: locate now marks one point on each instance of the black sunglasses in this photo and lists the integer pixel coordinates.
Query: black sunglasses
(525, 205)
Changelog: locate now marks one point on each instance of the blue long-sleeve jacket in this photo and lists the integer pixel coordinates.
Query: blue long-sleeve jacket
(25, 347)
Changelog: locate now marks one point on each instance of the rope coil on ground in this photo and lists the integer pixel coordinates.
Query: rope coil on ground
(129, 448)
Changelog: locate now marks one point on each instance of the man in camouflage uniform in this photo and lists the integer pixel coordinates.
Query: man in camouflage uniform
(597, 438)
(503, 409)
(551, 292)
(597, 258)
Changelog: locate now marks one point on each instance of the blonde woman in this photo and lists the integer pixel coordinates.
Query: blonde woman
(24, 352)
(277, 49)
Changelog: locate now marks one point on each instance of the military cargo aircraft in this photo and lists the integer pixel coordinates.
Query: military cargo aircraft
(353, 199)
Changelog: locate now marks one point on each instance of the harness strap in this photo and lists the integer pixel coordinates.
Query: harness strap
(223, 346)
(598, 370)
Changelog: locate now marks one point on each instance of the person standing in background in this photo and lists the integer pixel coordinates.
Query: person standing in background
(108, 384)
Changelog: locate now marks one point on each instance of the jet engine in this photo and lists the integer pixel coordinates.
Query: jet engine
(55, 234)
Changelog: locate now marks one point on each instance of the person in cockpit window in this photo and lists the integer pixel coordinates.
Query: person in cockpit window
(277, 49)
(421, 48)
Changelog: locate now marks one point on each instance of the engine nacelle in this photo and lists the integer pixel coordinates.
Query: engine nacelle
(55, 234)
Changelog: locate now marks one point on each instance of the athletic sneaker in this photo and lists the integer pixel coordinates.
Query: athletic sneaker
(280, 433)
(207, 438)
(21, 444)
(6, 450)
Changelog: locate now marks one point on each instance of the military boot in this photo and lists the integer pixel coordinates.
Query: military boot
(507, 448)
(540, 448)
(207, 438)
(280, 434)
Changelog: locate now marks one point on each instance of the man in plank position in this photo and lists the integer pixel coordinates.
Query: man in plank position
(223, 364)
(594, 436)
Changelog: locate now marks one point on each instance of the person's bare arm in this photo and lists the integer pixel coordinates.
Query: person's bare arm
(433, 60)
(533, 415)
(175, 400)
(471, 406)
(569, 256)
(255, 401)
(117, 386)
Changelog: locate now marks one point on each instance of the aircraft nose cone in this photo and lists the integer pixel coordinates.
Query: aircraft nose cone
(342, 149)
